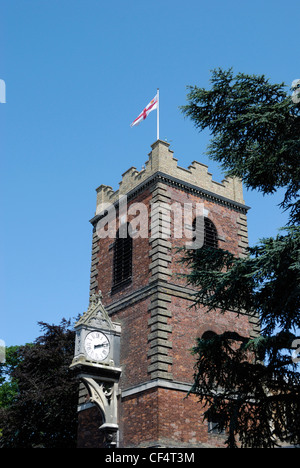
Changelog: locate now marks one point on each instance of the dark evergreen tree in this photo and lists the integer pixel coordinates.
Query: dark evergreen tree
(43, 409)
(251, 386)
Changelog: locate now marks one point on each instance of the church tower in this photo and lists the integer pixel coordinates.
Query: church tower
(145, 301)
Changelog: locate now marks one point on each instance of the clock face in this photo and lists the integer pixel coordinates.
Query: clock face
(97, 346)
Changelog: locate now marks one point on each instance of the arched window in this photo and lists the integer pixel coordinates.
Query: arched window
(122, 267)
(208, 335)
(206, 230)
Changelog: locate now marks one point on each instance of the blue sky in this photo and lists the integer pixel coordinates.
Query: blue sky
(77, 73)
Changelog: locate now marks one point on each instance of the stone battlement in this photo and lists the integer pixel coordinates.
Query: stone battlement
(161, 160)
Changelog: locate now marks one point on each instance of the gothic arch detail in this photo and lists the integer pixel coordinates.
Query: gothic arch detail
(104, 396)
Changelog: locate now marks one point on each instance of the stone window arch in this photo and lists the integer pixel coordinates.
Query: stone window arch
(206, 230)
(208, 334)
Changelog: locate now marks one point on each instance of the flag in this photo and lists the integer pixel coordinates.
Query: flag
(150, 107)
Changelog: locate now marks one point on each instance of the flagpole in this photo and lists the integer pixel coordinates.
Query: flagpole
(157, 114)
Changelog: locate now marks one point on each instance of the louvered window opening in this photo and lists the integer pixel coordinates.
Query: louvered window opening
(122, 269)
(210, 233)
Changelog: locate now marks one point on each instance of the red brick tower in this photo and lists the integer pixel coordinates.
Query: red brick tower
(142, 291)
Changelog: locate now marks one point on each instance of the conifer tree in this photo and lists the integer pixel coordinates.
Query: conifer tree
(251, 386)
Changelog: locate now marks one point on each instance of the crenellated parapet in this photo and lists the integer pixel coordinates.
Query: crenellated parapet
(162, 161)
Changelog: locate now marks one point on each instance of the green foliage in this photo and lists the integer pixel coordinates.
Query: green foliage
(42, 409)
(255, 128)
(258, 403)
(8, 386)
(266, 282)
(251, 386)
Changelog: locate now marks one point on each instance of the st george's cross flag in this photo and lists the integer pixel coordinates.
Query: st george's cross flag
(149, 108)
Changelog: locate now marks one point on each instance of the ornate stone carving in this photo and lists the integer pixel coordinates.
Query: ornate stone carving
(100, 377)
(110, 435)
(96, 315)
(104, 395)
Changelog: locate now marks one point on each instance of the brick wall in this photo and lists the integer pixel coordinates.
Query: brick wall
(188, 324)
(165, 418)
(89, 436)
(134, 343)
(103, 254)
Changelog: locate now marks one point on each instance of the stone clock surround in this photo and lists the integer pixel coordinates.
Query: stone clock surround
(99, 377)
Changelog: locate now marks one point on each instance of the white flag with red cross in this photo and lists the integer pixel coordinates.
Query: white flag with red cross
(153, 104)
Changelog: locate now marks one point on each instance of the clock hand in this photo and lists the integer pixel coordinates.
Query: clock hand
(100, 345)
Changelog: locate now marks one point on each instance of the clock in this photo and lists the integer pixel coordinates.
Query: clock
(97, 346)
